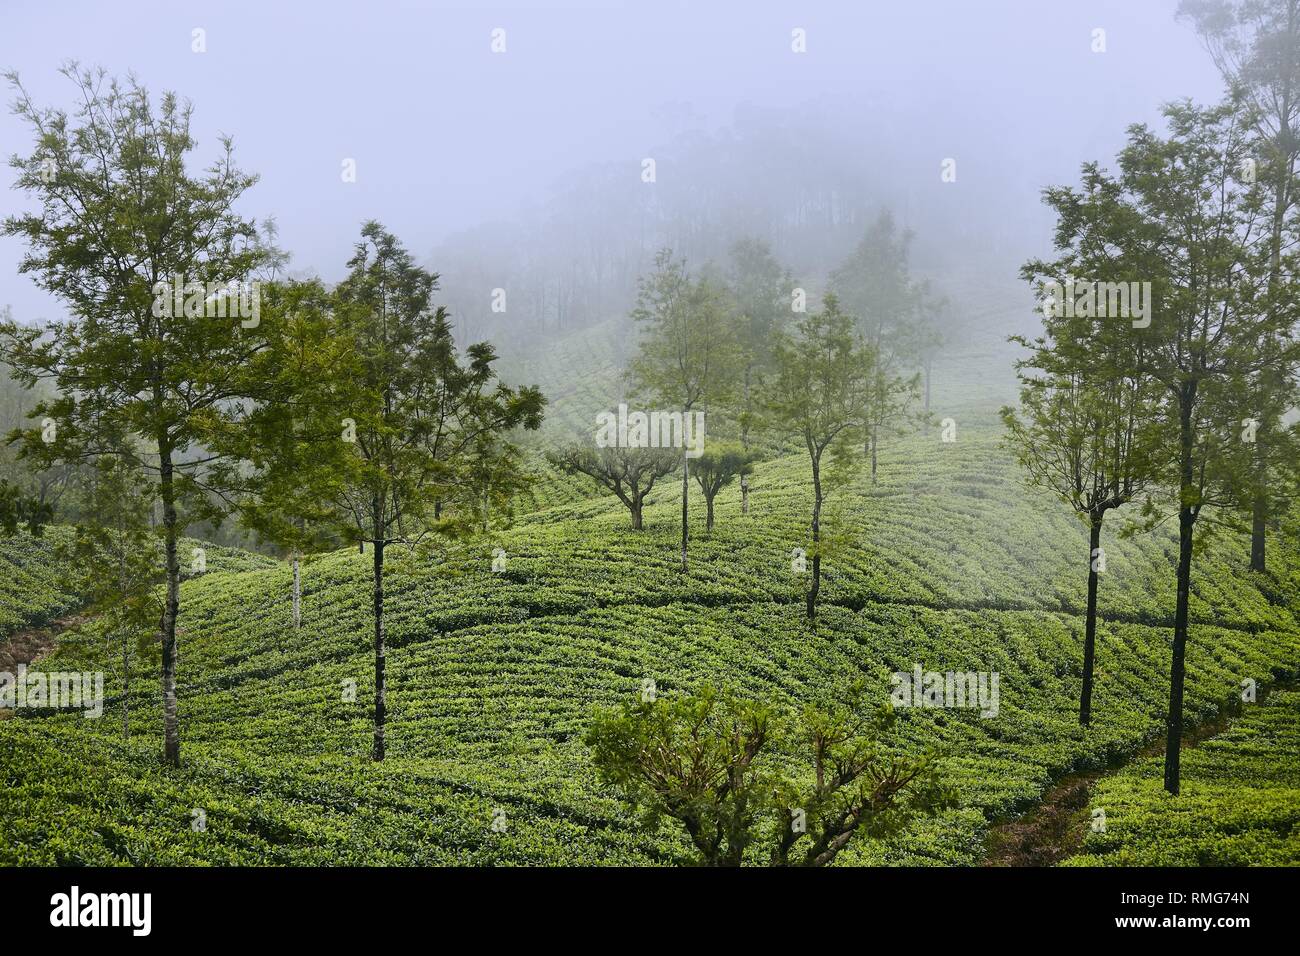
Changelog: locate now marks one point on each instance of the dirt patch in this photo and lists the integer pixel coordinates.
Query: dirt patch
(31, 644)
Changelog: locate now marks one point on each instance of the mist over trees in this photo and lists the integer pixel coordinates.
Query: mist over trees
(798, 398)
(790, 185)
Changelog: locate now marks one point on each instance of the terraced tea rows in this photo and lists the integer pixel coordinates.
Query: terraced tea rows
(1239, 805)
(493, 677)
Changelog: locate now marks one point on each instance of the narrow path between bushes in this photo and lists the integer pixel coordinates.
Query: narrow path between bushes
(1055, 828)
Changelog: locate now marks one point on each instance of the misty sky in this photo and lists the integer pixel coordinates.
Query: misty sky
(447, 134)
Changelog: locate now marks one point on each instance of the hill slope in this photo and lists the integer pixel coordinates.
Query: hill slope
(949, 563)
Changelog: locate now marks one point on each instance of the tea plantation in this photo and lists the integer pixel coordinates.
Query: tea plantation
(948, 562)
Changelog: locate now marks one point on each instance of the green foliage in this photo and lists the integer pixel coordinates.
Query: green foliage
(708, 761)
(720, 464)
(18, 508)
(421, 417)
(821, 394)
(115, 561)
(496, 675)
(876, 286)
(120, 219)
(628, 473)
(689, 355)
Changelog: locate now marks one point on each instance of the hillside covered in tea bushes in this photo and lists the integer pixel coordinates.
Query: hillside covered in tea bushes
(948, 562)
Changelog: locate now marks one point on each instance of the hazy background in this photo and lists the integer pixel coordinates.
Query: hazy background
(522, 170)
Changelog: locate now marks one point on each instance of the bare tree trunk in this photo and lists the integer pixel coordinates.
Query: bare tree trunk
(1090, 624)
(381, 680)
(744, 444)
(171, 609)
(1186, 523)
(686, 469)
(1259, 520)
(126, 685)
(122, 585)
(708, 521)
(1260, 506)
(816, 587)
(873, 454)
(636, 514)
(929, 362)
(297, 593)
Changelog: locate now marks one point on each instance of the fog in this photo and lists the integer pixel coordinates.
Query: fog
(523, 169)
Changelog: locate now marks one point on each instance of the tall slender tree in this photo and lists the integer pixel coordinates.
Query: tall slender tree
(762, 291)
(1256, 46)
(821, 394)
(290, 439)
(689, 356)
(875, 284)
(121, 215)
(411, 412)
(1200, 232)
(1087, 427)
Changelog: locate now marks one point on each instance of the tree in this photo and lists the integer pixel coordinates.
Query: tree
(875, 284)
(1090, 407)
(821, 393)
(929, 338)
(291, 437)
(121, 219)
(1256, 46)
(713, 763)
(1195, 228)
(762, 291)
(19, 509)
(718, 467)
(411, 413)
(890, 398)
(629, 473)
(688, 357)
(495, 476)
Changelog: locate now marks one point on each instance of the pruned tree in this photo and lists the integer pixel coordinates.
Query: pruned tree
(719, 466)
(721, 767)
(627, 473)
